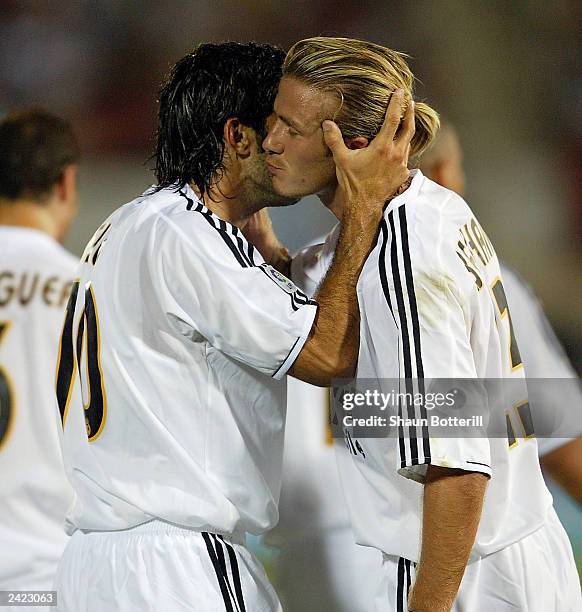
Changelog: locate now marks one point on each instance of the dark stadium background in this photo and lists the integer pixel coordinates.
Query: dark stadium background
(507, 74)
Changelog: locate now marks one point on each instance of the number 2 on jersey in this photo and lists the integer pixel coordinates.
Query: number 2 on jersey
(78, 350)
(6, 395)
(522, 410)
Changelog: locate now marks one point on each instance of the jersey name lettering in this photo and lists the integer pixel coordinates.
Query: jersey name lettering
(474, 249)
(24, 287)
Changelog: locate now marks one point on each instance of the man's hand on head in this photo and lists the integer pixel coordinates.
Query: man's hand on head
(373, 174)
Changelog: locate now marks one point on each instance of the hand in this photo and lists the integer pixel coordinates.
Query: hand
(259, 232)
(372, 175)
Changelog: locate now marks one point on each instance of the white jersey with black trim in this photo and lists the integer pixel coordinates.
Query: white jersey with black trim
(36, 275)
(432, 306)
(181, 334)
(543, 356)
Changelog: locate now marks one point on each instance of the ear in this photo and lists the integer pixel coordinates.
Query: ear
(67, 184)
(237, 135)
(359, 142)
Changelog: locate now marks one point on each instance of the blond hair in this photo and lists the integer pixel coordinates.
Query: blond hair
(363, 75)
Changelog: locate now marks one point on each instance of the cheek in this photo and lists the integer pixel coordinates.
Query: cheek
(311, 160)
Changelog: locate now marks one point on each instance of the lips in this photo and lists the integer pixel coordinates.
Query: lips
(270, 166)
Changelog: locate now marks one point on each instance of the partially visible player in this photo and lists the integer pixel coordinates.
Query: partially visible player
(176, 338)
(313, 535)
(38, 201)
(313, 541)
(541, 351)
(432, 306)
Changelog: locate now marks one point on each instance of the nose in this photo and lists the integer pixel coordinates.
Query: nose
(272, 142)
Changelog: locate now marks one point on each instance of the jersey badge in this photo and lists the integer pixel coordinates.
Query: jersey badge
(278, 278)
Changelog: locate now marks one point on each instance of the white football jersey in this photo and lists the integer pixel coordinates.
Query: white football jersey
(543, 356)
(36, 275)
(181, 334)
(432, 306)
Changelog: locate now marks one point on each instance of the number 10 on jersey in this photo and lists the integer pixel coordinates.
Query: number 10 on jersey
(80, 360)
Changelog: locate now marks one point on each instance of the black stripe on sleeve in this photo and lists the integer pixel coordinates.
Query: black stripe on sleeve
(219, 574)
(477, 463)
(241, 246)
(405, 342)
(287, 357)
(382, 268)
(235, 241)
(199, 208)
(415, 325)
(251, 253)
(386, 290)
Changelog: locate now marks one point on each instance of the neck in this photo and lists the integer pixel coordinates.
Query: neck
(24, 213)
(333, 199)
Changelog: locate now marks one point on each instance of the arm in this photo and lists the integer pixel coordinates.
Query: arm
(564, 465)
(367, 178)
(331, 350)
(452, 506)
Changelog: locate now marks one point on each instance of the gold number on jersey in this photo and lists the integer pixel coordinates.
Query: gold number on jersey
(503, 308)
(87, 344)
(6, 395)
(520, 411)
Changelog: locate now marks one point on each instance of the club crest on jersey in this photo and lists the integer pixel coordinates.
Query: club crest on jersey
(279, 278)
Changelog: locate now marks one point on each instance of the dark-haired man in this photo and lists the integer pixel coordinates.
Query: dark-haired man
(175, 340)
(38, 201)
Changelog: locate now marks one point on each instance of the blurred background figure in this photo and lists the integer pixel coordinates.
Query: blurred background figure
(38, 202)
(541, 351)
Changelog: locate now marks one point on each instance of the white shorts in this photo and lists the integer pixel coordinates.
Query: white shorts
(536, 574)
(161, 567)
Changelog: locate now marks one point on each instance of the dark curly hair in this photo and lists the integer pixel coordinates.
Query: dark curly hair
(204, 89)
(35, 148)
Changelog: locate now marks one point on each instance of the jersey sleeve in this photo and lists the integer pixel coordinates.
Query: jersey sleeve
(430, 305)
(217, 286)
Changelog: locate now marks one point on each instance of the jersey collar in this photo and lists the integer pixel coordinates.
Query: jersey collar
(409, 194)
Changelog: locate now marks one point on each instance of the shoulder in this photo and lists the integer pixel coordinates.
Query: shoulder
(427, 226)
(38, 250)
(65, 260)
(184, 227)
(435, 217)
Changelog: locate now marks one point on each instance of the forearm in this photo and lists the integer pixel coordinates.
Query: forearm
(331, 350)
(564, 465)
(453, 501)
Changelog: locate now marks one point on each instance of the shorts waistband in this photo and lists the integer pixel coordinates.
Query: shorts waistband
(156, 526)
